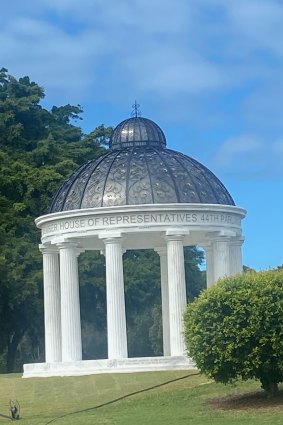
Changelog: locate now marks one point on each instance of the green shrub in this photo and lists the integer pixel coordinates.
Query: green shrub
(234, 330)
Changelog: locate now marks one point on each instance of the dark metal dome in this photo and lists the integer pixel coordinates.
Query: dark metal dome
(137, 132)
(138, 169)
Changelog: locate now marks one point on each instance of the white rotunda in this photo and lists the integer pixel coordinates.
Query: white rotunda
(138, 195)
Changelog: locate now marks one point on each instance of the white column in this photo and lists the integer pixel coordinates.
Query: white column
(209, 259)
(116, 313)
(221, 248)
(164, 299)
(236, 265)
(70, 303)
(177, 293)
(52, 308)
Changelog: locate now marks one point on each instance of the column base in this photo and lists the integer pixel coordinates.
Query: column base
(91, 367)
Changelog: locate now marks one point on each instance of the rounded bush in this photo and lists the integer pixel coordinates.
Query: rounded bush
(235, 329)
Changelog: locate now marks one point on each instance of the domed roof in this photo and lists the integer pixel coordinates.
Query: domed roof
(139, 169)
(137, 132)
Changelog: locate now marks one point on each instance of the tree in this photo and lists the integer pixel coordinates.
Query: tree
(39, 150)
(234, 329)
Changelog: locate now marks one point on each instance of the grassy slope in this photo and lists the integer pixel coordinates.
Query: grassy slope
(184, 401)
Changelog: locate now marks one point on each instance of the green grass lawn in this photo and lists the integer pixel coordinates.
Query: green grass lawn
(191, 400)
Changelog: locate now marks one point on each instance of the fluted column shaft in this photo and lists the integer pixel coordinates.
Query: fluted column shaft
(209, 254)
(177, 293)
(236, 265)
(52, 308)
(70, 303)
(165, 300)
(116, 313)
(221, 250)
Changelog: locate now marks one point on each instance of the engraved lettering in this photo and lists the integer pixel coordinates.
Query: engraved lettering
(174, 217)
(166, 218)
(105, 220)
(119, 219)
(146, 218)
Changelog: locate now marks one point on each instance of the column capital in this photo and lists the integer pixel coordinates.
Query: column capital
(102, 251)
(109, 235)
(161, 250)
(174, 237)
(79, 251)
(66, 245)
(221, 235)
(48, 249)
(112, 239)
(72, 246)
(238, 240)
(206, 245)
(222, 238)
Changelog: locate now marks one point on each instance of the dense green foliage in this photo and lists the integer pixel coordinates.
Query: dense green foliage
(235, 330)
(39, 149)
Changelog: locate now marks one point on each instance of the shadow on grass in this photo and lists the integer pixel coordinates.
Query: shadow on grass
(253, 400)
(123, 397)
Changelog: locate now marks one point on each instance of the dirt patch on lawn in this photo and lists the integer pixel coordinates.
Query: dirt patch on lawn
(254, 400)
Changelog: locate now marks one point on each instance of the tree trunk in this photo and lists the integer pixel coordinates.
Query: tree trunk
(12, 350)
(271, 388)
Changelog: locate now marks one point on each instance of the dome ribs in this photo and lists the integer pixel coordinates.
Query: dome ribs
(139, 184)
(150, 179)
(128, 175)
(169, 172)
(187, 175)
(209, 177)
(138, 169)
(106, 178)
(95, 166)
(63, 191)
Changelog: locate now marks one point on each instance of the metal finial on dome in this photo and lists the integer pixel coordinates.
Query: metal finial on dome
(136, 112)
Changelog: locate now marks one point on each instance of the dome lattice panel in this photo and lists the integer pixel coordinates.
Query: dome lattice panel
(140, 175)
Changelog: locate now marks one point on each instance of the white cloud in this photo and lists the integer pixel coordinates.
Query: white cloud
(249, 156)
(277, 147)
(259, 22)
(180, 58)
(156, 46)
(55, 59)
(235, 147)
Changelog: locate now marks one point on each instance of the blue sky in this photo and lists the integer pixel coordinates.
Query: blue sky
(209, 72)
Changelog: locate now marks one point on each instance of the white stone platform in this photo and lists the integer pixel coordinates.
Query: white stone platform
(90, 367)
